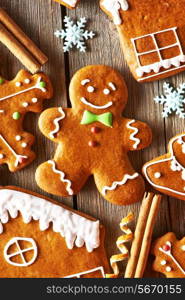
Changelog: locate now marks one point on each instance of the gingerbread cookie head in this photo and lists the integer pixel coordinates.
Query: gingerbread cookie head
(23, 94)
(167, 172)
(169, 256)
(98, 88)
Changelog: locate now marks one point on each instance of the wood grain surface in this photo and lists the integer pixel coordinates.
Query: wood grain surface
(39, 19)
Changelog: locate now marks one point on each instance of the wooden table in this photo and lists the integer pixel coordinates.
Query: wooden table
(39, 19)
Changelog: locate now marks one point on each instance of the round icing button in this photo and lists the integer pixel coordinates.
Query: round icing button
(93, 144)
(95, 129)
(166, 248)
(16, 115)
(157, 175)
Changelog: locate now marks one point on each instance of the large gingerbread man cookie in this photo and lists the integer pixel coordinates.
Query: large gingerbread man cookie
(170, 256)
(93, 139)
(23, 94)
(167, 172)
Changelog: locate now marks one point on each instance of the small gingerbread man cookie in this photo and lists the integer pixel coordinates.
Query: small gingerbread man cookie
(68, 3)
(94, 139)
(23, 94)
(167, 173)
(170, 256)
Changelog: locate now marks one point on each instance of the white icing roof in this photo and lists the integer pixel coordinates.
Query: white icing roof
(76, 229)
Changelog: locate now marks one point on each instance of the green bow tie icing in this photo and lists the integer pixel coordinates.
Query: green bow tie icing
(89, 117)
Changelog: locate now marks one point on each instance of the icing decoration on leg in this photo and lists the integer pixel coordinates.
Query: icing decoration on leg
(127, 237)
(19, 158)
(56, 123)
(126, 177)
(114, 7)
(62, 177)
(132, 136)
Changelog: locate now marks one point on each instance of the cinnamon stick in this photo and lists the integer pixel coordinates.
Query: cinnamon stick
(18, 50)
(22, 37)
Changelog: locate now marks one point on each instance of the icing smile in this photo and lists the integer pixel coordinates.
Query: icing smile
(84, 101)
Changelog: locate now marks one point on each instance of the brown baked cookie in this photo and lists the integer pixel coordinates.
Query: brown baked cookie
(42, 238)
(68, 3)
(93, 139)
(167, 172)
(19, 96)
(152, 39)
(169, 256)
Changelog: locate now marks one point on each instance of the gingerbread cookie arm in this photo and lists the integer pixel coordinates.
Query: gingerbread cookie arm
(138, 134)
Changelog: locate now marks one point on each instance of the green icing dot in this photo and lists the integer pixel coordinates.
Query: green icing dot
(1, 80)
(42, 84)
(16, 115)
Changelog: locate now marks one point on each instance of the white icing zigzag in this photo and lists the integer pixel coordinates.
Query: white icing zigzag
(62, 177)
(132, 136)
(75, 229)
(113, 7)
(126, 177)
(56, 122)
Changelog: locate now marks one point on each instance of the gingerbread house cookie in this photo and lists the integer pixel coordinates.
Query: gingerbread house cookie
(93, 139)
(152, 35)
(19, 96)
(169, 256)
(68, 3)
(42, 238)
(167, 172)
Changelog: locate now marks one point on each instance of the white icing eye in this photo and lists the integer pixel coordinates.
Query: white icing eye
(90, 89)
(27, 80)
(25, 104)
(85, 81)
(106, 91)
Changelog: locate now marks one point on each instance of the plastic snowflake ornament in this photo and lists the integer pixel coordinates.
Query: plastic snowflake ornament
(74, 35)
(173, 100)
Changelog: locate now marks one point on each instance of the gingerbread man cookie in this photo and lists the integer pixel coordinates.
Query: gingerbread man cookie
(170, 256)
(23, 94)
(94, 139)
(68, 3)
(167, 173)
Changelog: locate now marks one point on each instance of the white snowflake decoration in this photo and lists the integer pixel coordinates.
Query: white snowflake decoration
(74, 34)
(173, 100)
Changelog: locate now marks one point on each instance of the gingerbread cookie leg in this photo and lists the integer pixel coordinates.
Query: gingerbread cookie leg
(119, 183)
(64, 181)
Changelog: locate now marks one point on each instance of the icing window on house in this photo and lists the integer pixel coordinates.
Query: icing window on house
(20, 257)
(155, 47)
(79, 275)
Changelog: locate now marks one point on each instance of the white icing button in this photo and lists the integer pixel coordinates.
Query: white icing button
(1, 111)
(168, 269)
(25, 104)
(90, 89)
(24, 145)
(183, 248)
(34, 100)
(157, 175)
(106, 91)
(163, 262)
(18, 137)
(1, 156)
(27, 80)
(18, 84)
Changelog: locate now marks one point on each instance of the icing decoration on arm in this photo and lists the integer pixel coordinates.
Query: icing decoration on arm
(84, 101)
(71, 3)
(114, 7)
(74, 35)
(174, 166)
(79, 275)
(40, 85)
(162, 63)
(62, 177)
(126, 177)
(173, 100)
(127, 237)
(20, 252)
(132, 136)
(56, 123)
(167, 249)
(76, 230)
(89, 118)
(19, 158)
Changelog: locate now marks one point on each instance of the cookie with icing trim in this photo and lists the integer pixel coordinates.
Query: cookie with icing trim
(169, 256)
(93, 139)
(68, 3)
(25, 93)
